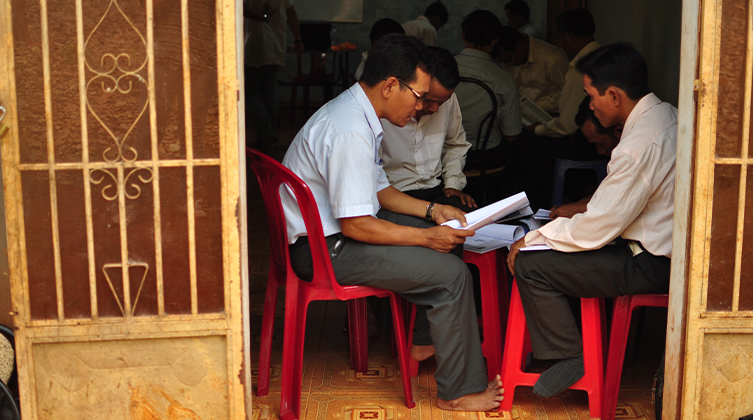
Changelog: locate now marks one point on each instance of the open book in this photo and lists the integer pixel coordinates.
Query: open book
(491, 213)
(494, 236)
(532, 113)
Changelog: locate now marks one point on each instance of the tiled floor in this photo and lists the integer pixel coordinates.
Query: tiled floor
(332, 391)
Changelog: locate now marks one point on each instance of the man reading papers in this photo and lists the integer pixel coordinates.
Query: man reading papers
(376, 235)
(633, 206)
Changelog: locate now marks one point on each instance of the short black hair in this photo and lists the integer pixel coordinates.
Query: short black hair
(383, 27)
(399, 56)
(481, 27)
(508, 37)
(438, 9)
(585, 113)
(445, 68)
(518, 8)
(578, 22)
(619, 65)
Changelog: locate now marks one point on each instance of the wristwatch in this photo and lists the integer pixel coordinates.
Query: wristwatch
(429, 210)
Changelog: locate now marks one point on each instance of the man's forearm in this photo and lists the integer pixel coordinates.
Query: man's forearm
(395, 201)
(372, 230)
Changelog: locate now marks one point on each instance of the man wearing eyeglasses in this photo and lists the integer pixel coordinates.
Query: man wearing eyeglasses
(376, 235)
(425, 158)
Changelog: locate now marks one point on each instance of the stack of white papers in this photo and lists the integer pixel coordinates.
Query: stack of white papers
(494, 236)
(491, 213)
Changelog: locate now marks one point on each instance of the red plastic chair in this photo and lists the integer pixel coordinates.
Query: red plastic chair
(618, 338)
(271, 176)
(494, 304)
(592, 314)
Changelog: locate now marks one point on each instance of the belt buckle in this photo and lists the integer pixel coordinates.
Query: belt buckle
(635, 248)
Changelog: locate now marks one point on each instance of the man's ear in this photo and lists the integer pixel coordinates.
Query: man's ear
(390, 86)
(614, 95)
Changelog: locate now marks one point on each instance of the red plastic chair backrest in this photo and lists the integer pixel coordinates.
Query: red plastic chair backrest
(271, 176)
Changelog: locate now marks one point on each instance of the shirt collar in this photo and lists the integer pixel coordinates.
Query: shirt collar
(368, 110)
(647, 102)
(472, 52)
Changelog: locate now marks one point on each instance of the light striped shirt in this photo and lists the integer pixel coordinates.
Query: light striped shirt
(636, 199)
(476, 103)
(572, 96)
(422, 29)
(542, 77)
(415, 156)
(336, 154)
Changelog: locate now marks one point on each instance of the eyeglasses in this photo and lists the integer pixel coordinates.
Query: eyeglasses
(419, 97)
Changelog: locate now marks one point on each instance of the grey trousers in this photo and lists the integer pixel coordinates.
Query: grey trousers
(546, 278)
(438, 283)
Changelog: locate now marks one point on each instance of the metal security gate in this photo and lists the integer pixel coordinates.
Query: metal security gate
(122, 171)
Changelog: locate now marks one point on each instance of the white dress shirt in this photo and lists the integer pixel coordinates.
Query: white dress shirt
(265, 41)
(475, 102)
(529, 29)
(337, 154)
(422, 29)
(542, 77)
(636, 200)
(572, 96)
(415, 156)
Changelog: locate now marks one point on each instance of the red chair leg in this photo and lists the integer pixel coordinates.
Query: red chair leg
(617, 342)
(292, 354)
(413, 363)
(402, 348)
(593, 354)
(512, 373)
(359, 335)
(267, 330)
(490, 309)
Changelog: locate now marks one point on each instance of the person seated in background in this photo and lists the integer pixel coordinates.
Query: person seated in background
(480, 31)
(519, 17)
(633, 206)
(425, 27)
(380, 28)
(538, 67)
(379, 237)
(576, 28)
(604, 139)
(425, 158)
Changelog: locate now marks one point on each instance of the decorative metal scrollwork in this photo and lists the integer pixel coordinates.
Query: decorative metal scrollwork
(116, 74)
(119, 187)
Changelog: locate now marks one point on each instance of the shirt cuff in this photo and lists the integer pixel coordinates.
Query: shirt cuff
(535, 237)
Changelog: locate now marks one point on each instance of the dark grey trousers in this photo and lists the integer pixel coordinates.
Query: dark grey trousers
(438, 283)
(546, 278)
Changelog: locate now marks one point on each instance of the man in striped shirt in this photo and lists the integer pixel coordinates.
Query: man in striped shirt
(633, 207)
(376, 235)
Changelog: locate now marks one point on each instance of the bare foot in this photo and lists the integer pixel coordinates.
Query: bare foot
(486, 400)
(421, 353)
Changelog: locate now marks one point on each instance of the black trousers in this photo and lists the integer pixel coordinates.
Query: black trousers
(546, 278)
(436, 195)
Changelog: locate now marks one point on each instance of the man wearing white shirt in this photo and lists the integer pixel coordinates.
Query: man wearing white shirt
(425, 158)
(375, 234)
(425, 27)
(264, 57)
(538, 67)
(519, 17)
(633, 206)
(480, 33)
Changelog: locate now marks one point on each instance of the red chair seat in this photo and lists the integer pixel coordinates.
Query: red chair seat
(271, 175)
(516, 340)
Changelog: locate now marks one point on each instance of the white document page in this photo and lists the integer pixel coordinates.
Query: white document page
(542, 214)
(532, 113)
(491, 213)
(494, 236)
